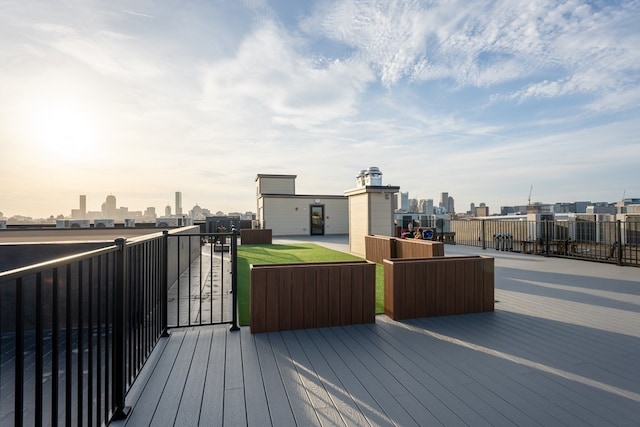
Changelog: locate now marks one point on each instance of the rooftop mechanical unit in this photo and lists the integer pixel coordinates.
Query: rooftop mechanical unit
(103, 223)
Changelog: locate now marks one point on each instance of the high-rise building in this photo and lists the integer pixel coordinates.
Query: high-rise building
(425, 206)
(403, 201)
(83, 206)
(150, 212)
(451, 205)
(429, 207)
(482, 210)
(444, 201)
(178, 203)
(167, 210)
(109, 207)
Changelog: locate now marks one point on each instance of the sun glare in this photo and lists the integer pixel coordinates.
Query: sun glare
(63, 129)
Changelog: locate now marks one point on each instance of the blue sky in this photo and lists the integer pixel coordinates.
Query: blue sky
(481, 99)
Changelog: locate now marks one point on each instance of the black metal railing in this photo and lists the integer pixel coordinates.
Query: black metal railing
(204, 293)
(75, 332)
(603, 241)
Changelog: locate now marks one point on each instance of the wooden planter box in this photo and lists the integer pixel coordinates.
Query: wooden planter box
(311, 295)
(438, 286)
(417, 248)
(255, 237)
(379, 248)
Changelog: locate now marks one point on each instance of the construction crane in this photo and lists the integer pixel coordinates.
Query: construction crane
(529, 199)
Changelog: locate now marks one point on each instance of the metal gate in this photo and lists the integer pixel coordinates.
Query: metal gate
(201, 279)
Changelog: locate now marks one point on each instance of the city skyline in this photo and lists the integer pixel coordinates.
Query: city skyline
(111, 208)
(482, 99)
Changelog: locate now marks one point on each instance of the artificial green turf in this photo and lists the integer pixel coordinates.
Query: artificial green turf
(298, 252)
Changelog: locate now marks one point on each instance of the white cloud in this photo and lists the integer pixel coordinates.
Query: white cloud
(269, 82)
(564, 47)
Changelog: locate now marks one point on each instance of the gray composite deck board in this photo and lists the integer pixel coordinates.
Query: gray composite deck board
(191, 399)
(300, 402)
(562, 348)
(144, 408)
(374, 378)
(255, 396)
(211, 412)
(338, 395)
(279, 406)
(167, 409)
(234, 404)
(334, 354)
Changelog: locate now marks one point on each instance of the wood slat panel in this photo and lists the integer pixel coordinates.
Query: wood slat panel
(410, 290)
(470, 285)
(369, 296)
(284, 303)
(322, 298)
(297, 298)
(272, 300)
(309, 305)
(345, 296)
(357, 294)
(488, 285)
(450, 288)
(334, 297)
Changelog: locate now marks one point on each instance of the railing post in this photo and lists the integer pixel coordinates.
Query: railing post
(234, 279)
(119, 384)
(484, 241)
(619, 240)
(546, 237)
(19, 355)
(163, 282)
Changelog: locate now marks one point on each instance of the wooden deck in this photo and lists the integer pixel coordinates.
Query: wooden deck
(562, 348)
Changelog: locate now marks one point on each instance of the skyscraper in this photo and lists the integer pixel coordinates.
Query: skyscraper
(403, 201)
(178, 203)
(444, 201)
(83, 206)
(109, 207)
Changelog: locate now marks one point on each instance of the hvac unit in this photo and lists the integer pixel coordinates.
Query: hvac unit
(129, 222)
(183, 221)
(167, 222)
(78, 223)
(3, 223)
(103, 223)
(62, 223)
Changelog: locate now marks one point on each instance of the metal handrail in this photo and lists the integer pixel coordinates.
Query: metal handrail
(102, 312)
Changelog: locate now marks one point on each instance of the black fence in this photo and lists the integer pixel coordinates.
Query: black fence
(603, 241)
(76, 331)
(203, 291)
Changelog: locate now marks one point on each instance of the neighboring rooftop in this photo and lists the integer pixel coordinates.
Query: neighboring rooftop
(70, 234)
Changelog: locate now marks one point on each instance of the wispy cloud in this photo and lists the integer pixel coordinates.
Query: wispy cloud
(552, 48)
(270, 82)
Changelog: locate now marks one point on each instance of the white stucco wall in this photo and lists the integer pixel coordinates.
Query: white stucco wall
(291, 216)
